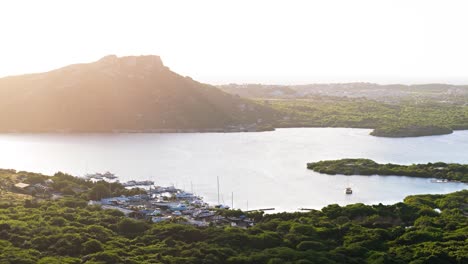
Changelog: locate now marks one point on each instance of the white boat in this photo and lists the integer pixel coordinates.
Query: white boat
(109, 175)
(185, 195)
(440, 181)
(100, 176)
(170, 189)
(137, 183)
(221, 206)
(179, 207)
(348, 190)
(159, 219)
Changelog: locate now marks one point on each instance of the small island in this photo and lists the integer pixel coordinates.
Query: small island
(440, 170)
(411, 131)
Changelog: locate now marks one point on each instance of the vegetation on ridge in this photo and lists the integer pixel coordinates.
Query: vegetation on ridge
(405, 119)
(440, 170)
(411, 131)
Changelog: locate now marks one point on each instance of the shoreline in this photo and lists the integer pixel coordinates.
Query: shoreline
(211, 130)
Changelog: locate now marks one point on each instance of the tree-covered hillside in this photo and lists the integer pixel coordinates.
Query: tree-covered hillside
(439, 92)
(405, 119)
(422, 229)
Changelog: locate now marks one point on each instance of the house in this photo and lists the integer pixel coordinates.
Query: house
(241, 221)
(49, 181)
(41, 188)
(22, 185)
(159, 219)
(114, 200)
(126, 212)
(179, 207)
(25, 188)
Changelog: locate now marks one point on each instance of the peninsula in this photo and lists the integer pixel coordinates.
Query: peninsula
(411, 131)
(439, 170)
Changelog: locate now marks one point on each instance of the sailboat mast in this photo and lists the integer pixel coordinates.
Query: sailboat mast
(217, 178)
(232, 200)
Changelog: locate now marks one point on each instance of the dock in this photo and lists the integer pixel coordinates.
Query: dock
(256, 210)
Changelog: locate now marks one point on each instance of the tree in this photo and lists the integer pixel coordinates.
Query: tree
(91, 246)
(129, 226)
(98, 192)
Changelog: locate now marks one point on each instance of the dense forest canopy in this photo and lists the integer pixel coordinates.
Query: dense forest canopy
(70, 231)
(389, 120)
(422, 229)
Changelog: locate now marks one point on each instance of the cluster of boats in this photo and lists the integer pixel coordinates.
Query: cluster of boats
(101, 176)
(111, 176)
(160, 189)
(442, 181)
(137, 183)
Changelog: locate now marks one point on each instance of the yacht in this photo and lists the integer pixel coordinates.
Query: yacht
(185, 195)
(179, 207)
(440, 181)
(348, 190)
(137, 183)
(109, 175)
(100, 176)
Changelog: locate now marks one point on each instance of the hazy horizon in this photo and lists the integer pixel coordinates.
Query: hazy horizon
(249, 83)
(267, 42)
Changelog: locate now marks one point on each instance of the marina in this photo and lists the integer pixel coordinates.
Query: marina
(162, 204)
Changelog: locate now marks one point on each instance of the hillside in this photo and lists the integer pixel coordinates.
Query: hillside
(404, 119)
(421, 229)
(133, 94)
(391, 110)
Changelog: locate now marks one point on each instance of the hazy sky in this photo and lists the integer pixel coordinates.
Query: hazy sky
(283, 42)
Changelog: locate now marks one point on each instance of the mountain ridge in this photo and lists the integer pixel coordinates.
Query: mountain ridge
(129, 94)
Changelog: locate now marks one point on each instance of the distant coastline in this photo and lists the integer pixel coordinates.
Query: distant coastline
(374, 132)
(143, 131)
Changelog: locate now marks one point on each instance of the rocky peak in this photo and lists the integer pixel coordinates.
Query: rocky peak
(146, 61)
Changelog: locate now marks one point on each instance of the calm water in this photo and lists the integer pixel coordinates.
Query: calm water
(266, 169)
